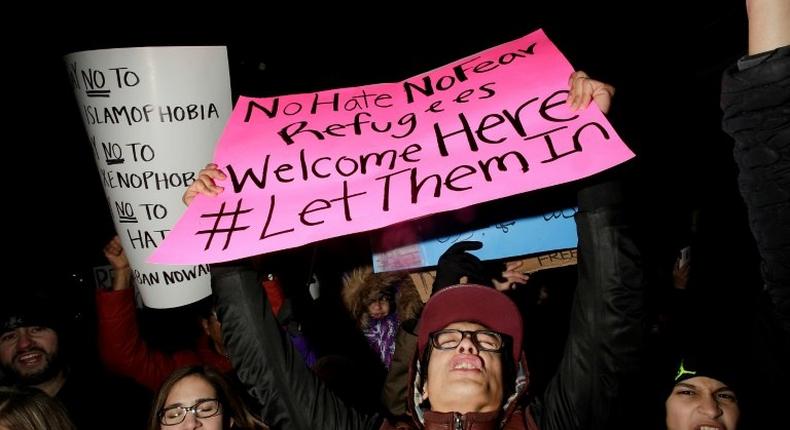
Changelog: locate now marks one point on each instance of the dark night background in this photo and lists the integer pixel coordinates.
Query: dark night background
(664, 62)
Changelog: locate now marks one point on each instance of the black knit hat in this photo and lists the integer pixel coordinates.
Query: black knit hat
(692, 366)
(25, 310)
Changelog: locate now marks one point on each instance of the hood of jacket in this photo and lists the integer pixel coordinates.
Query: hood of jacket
(361, 286)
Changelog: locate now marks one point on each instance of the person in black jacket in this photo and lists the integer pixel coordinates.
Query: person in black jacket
(755, 99)
(38, 348)
(602, 350)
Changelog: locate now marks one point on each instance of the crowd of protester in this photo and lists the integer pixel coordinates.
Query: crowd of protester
(604, 344)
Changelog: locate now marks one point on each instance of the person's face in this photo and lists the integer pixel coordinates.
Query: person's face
(702, 403)
(29, 353)
(380, 308)
(188, 392)
(464, 379)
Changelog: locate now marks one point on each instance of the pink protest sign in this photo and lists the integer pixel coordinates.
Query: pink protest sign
(307, 167)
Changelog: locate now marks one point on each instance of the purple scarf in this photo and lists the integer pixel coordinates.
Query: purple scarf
(381, 336)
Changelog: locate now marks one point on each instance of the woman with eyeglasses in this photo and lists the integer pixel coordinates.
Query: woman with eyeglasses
(200, 397)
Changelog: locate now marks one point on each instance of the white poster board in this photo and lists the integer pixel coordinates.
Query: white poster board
(153, 116)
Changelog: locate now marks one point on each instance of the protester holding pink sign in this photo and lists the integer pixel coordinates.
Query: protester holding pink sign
(470, 370)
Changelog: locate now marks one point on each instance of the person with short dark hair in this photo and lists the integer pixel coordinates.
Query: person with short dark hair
(36, 350)
(30, 350)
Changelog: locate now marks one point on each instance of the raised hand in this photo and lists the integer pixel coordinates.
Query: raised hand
(205, 183)
(511, 277)
(115, 254)
(583, 89)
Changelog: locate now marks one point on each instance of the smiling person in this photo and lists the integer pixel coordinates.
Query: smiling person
(30, 352)
(36, 350)
(200, 397)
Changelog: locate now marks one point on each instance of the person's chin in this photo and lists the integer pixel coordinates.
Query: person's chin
(30, 371)
(469, 381)
(469, 390)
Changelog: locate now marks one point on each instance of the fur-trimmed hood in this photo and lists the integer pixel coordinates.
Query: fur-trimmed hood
(362, 286)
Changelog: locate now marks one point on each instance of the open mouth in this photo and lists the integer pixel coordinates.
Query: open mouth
(29, 359)
(466, 362)
(709, 427)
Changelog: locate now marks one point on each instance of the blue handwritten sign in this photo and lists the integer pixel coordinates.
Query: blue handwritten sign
(523, 236)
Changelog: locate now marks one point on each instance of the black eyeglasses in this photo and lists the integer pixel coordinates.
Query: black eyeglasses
(484, 340)
(205, 408)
